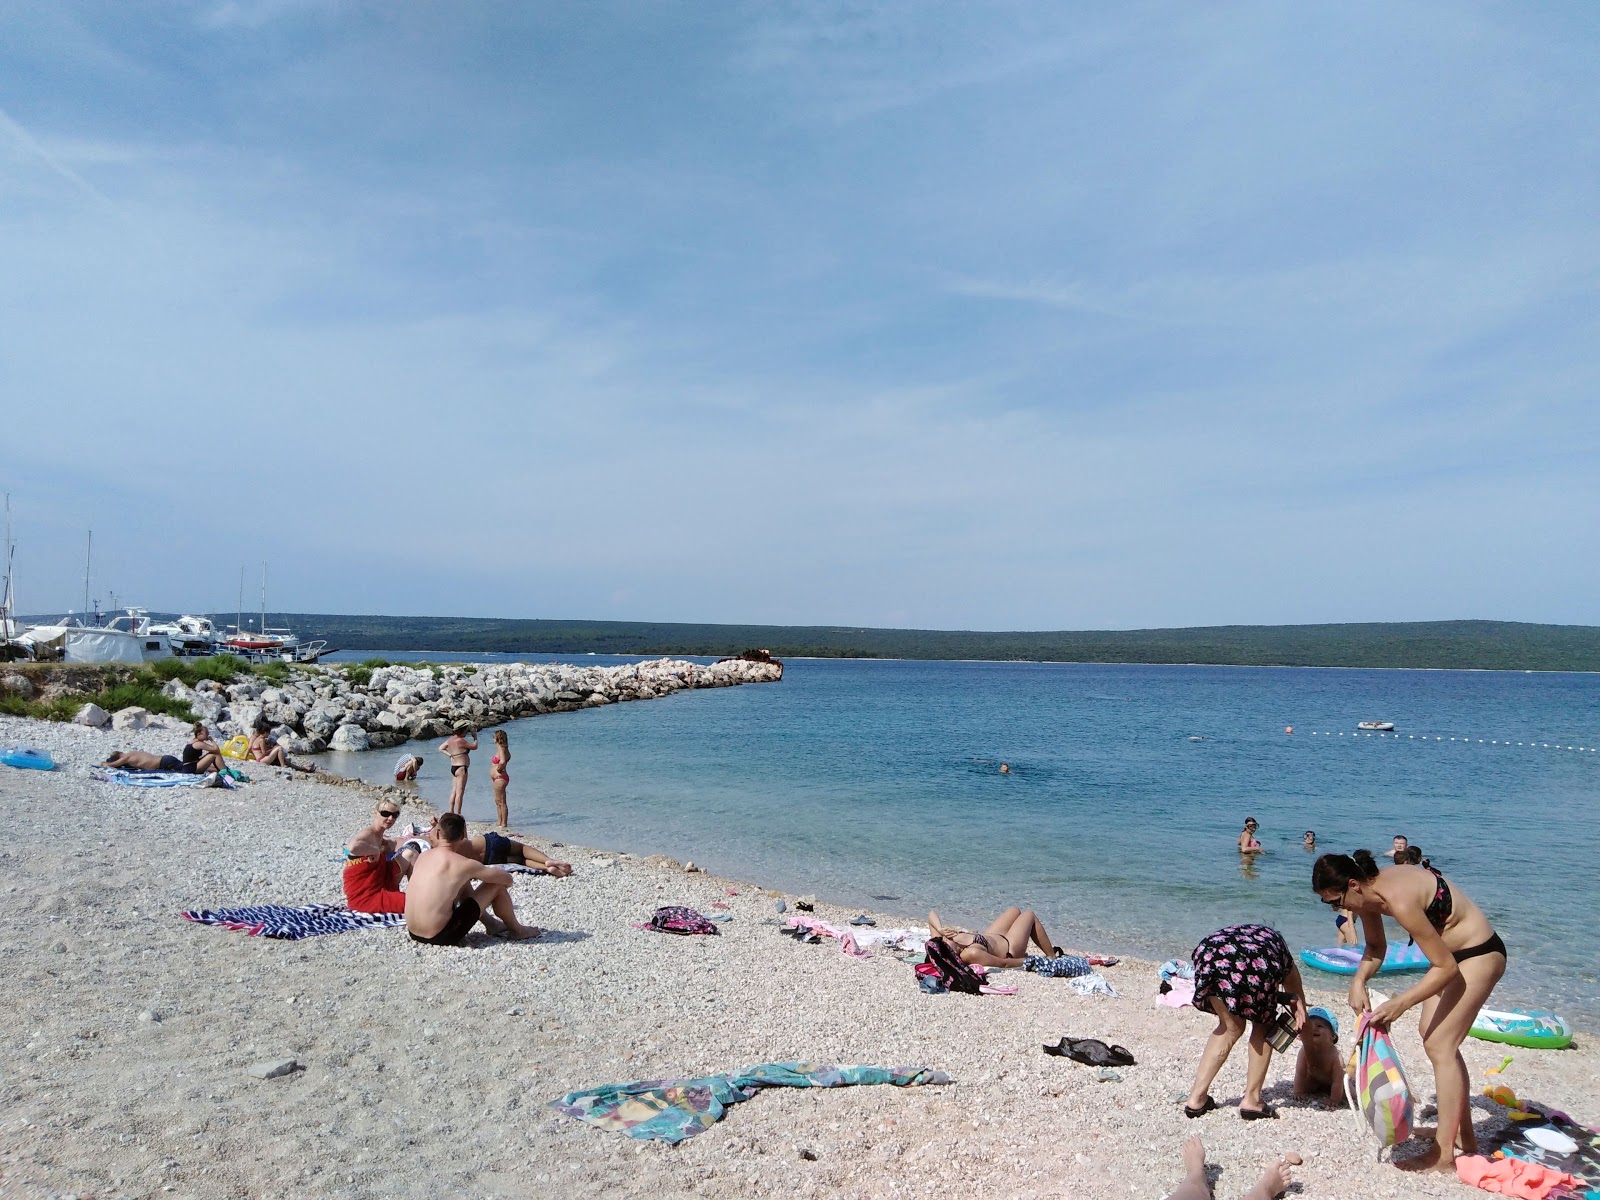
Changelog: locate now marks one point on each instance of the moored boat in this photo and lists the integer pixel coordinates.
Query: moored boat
(1376, 726)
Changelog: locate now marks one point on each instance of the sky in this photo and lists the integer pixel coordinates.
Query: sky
(947, 315)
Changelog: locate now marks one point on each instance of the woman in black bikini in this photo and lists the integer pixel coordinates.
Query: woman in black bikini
(1467, 956)
(459, 746)
(1003, 944)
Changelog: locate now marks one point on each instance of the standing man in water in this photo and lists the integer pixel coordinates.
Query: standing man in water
(459, 746)
(1398, 853)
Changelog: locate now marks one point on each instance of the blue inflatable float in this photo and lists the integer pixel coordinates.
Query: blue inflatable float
(1343, 960)
(28, 758)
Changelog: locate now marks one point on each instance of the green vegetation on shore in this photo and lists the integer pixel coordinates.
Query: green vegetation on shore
(60, 690)
(1465, 645)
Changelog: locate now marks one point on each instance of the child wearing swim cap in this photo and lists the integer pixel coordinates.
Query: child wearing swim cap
(1319, 1071)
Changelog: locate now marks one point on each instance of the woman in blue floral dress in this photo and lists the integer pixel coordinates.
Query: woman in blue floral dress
(1239, 973)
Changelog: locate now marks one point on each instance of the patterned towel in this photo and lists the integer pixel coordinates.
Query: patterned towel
(147, 778)
(670, 1110)
(1062, 966)
(292, 922)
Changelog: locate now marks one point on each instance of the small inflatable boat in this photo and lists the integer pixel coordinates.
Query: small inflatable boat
(1343, 960)
(1536, 1029)
(28, 758)
(1376, 726)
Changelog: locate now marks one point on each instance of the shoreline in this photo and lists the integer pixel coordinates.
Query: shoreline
(426, 1069)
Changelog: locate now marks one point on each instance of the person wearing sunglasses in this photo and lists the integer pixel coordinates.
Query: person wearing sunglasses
(374, 867)
(1466, 957)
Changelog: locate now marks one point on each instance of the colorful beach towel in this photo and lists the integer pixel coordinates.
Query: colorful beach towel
(1377, 1084)
(148, 779)
(290, 923)
(1061, 966)
(670, 1110)
(848, 945)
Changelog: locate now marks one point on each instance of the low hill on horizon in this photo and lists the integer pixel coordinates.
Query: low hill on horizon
(1452, 645)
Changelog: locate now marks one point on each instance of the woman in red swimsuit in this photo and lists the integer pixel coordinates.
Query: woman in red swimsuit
(499, 776)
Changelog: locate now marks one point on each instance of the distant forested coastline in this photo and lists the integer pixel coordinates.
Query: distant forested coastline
(1458, 645)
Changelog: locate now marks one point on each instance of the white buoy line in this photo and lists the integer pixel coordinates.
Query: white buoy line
(1423, 737)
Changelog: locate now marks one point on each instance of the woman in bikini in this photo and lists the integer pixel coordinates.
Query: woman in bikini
(459, 746)
(1467, 956)
(499, 776)
(1247, 838)
(1003, 944)
(267, 752)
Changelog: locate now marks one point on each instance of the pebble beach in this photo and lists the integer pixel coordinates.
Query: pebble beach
(134, 1056)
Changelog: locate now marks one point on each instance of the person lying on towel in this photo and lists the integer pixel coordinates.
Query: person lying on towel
(496, 849)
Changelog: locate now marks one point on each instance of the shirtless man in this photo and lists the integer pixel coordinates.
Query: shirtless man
(1397, 852)
(449, 892)
(459, 746)
(494, 849)
(143, 760)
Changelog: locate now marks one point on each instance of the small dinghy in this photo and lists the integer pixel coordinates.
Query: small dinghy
(1376, 726)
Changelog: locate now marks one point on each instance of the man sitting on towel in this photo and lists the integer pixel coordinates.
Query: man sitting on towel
(449, 893)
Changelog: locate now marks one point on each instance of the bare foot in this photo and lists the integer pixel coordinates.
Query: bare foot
(493, 925)
(1467, 1138)
(1194, 1157)
(1274, 1180)
(524, 933)
(1431, 1159)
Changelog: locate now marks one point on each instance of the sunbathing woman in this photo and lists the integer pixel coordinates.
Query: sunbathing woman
(265, 750)
(1467, 956)
(1003, 944)
(201, 754)
(1238, 973)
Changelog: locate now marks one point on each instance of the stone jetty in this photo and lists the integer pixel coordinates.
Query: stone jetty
(336, 707)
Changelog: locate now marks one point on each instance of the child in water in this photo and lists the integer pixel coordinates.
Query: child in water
(1319, 1070)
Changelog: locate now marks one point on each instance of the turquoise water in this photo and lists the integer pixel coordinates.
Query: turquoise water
(877, 783)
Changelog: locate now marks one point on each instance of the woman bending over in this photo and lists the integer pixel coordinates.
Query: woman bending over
(1467, 959)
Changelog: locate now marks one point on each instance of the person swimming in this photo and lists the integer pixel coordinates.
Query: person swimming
(1247, 838)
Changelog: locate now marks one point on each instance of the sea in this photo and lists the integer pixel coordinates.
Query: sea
(877, 784)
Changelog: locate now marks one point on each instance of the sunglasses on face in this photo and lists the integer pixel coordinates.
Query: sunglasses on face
(383, 812)
(1338, 903)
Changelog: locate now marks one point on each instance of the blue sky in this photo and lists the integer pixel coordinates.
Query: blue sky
(961, 315)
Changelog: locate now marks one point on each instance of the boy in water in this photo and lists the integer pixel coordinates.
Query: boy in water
(1319, 1071)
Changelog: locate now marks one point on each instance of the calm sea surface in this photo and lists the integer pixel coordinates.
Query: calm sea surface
(877, 784)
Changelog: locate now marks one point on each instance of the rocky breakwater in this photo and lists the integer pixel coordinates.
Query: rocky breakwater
(354, 708)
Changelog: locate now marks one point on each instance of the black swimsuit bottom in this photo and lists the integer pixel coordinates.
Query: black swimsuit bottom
(1493, 946)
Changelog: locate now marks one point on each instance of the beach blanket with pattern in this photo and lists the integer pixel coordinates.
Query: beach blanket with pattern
(290, 923)
(147, 778)
(670, 1110)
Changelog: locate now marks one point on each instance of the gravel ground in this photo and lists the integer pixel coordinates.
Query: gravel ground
(426, 1071)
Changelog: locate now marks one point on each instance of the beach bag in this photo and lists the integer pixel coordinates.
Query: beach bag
(948, 968)
(677, 918)
(1376, 1085)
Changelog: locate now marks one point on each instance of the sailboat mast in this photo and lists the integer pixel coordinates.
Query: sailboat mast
(263, 599)
(238, 617)
(88, 556)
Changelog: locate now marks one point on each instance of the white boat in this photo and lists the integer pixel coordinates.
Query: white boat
(128, 639)
(1376, 726)
(189, 635)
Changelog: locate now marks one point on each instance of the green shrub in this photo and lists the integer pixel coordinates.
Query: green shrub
(140, 692)
(274, 672)
(358, 675)
(62, 708)
(373, 664)
(469, 670)
(218, 667)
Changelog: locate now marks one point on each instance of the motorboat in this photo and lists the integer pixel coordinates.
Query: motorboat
(1376, 726)
(127, 639)
(189, 635)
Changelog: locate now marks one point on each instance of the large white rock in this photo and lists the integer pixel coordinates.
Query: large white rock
(17, 685)
(132, 717)
(93, 716)
(349, 737)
